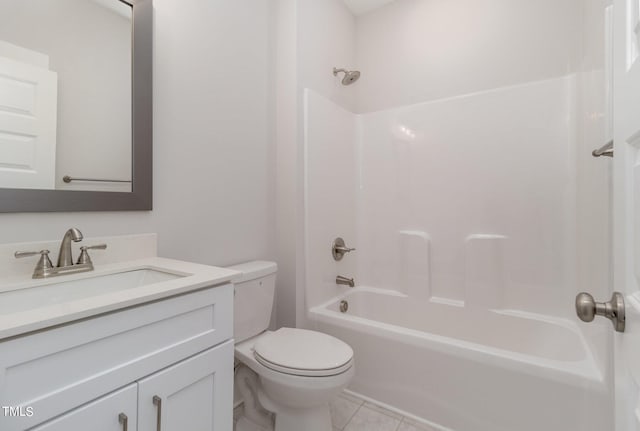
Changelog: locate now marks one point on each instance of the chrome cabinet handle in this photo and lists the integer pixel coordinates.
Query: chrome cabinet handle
(157, 401)
(587, 309)
(124, 421)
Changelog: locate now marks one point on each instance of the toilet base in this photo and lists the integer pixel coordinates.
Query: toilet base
(315, 419)
(245, 424)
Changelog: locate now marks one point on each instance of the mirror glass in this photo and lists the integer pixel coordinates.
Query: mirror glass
(66, 95)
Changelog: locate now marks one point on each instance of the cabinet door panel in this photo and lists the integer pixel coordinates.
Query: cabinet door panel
(56, 370)
(195, 394)
(99, 415)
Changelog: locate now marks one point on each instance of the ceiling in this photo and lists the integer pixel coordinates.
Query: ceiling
(359, 7)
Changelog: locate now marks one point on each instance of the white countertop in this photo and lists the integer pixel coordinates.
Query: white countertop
(194, 277)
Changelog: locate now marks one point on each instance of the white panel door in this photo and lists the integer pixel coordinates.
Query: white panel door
(626, 247)
(114, 412)
(195, 394)
(28, 118)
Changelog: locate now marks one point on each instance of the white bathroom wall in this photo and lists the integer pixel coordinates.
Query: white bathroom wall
(360, 7)
(288, 186)
(488, 180)
(330, 132)
(214, 189)
(324, 35)
(326, 39)
(96, 142)
(411, 51)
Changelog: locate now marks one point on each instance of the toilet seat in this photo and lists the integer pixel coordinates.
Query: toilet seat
(300, 352)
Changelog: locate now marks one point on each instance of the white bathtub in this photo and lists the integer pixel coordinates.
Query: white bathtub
(469, 370)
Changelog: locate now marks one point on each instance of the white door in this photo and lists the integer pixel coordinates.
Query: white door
(114, 412)
(626, 241)
(195, 394)
(28, 119)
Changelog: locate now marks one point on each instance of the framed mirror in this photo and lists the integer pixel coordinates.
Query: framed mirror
(75, 105)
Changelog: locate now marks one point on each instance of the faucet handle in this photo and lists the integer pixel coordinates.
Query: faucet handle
(339, 249)
(21, 254)
(94, 247)
(43, 264)
(84, 255)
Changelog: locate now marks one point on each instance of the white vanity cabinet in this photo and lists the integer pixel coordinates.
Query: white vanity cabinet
(83, 375)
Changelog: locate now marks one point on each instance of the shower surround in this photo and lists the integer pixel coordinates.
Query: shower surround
(468, 200)
(463, 213)
(459, 166)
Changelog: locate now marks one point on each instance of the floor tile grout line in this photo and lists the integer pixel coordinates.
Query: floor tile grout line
(352, 416)
(385, 412)
(401, 419)
(351, 399)
(380, 410)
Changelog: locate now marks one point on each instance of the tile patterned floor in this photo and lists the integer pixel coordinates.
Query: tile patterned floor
(349, 413)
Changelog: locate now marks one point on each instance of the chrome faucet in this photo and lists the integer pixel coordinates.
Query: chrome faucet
(65, 257)
(345, 281)
(44, 267)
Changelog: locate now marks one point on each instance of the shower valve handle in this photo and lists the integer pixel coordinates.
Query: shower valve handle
(339, 249)
(344, 249)
(587, 308)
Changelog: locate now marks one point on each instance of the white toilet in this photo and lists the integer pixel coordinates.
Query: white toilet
(291, 374)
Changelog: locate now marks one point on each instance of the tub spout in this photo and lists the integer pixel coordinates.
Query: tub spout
(345, 281)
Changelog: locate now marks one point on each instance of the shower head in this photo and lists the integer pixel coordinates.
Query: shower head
(350, 76)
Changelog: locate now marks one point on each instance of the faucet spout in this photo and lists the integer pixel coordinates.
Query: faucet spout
(64, 256)
(345, 281)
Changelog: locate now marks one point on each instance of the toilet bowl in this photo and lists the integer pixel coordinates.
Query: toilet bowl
(295, 372)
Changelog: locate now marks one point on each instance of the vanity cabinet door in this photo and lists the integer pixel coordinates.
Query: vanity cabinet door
(195, 394)
(114, 412)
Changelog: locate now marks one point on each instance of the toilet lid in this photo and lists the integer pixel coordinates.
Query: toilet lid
(303, 353)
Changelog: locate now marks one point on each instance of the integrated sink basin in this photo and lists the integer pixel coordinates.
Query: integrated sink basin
(61, 291)
(28, 305)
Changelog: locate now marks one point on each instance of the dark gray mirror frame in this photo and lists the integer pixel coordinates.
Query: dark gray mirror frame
(140, 199)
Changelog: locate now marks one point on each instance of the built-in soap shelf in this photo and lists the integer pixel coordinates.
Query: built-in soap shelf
(484, 269)
(415, 264)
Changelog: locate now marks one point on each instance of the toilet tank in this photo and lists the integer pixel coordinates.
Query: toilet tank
(253, 300)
